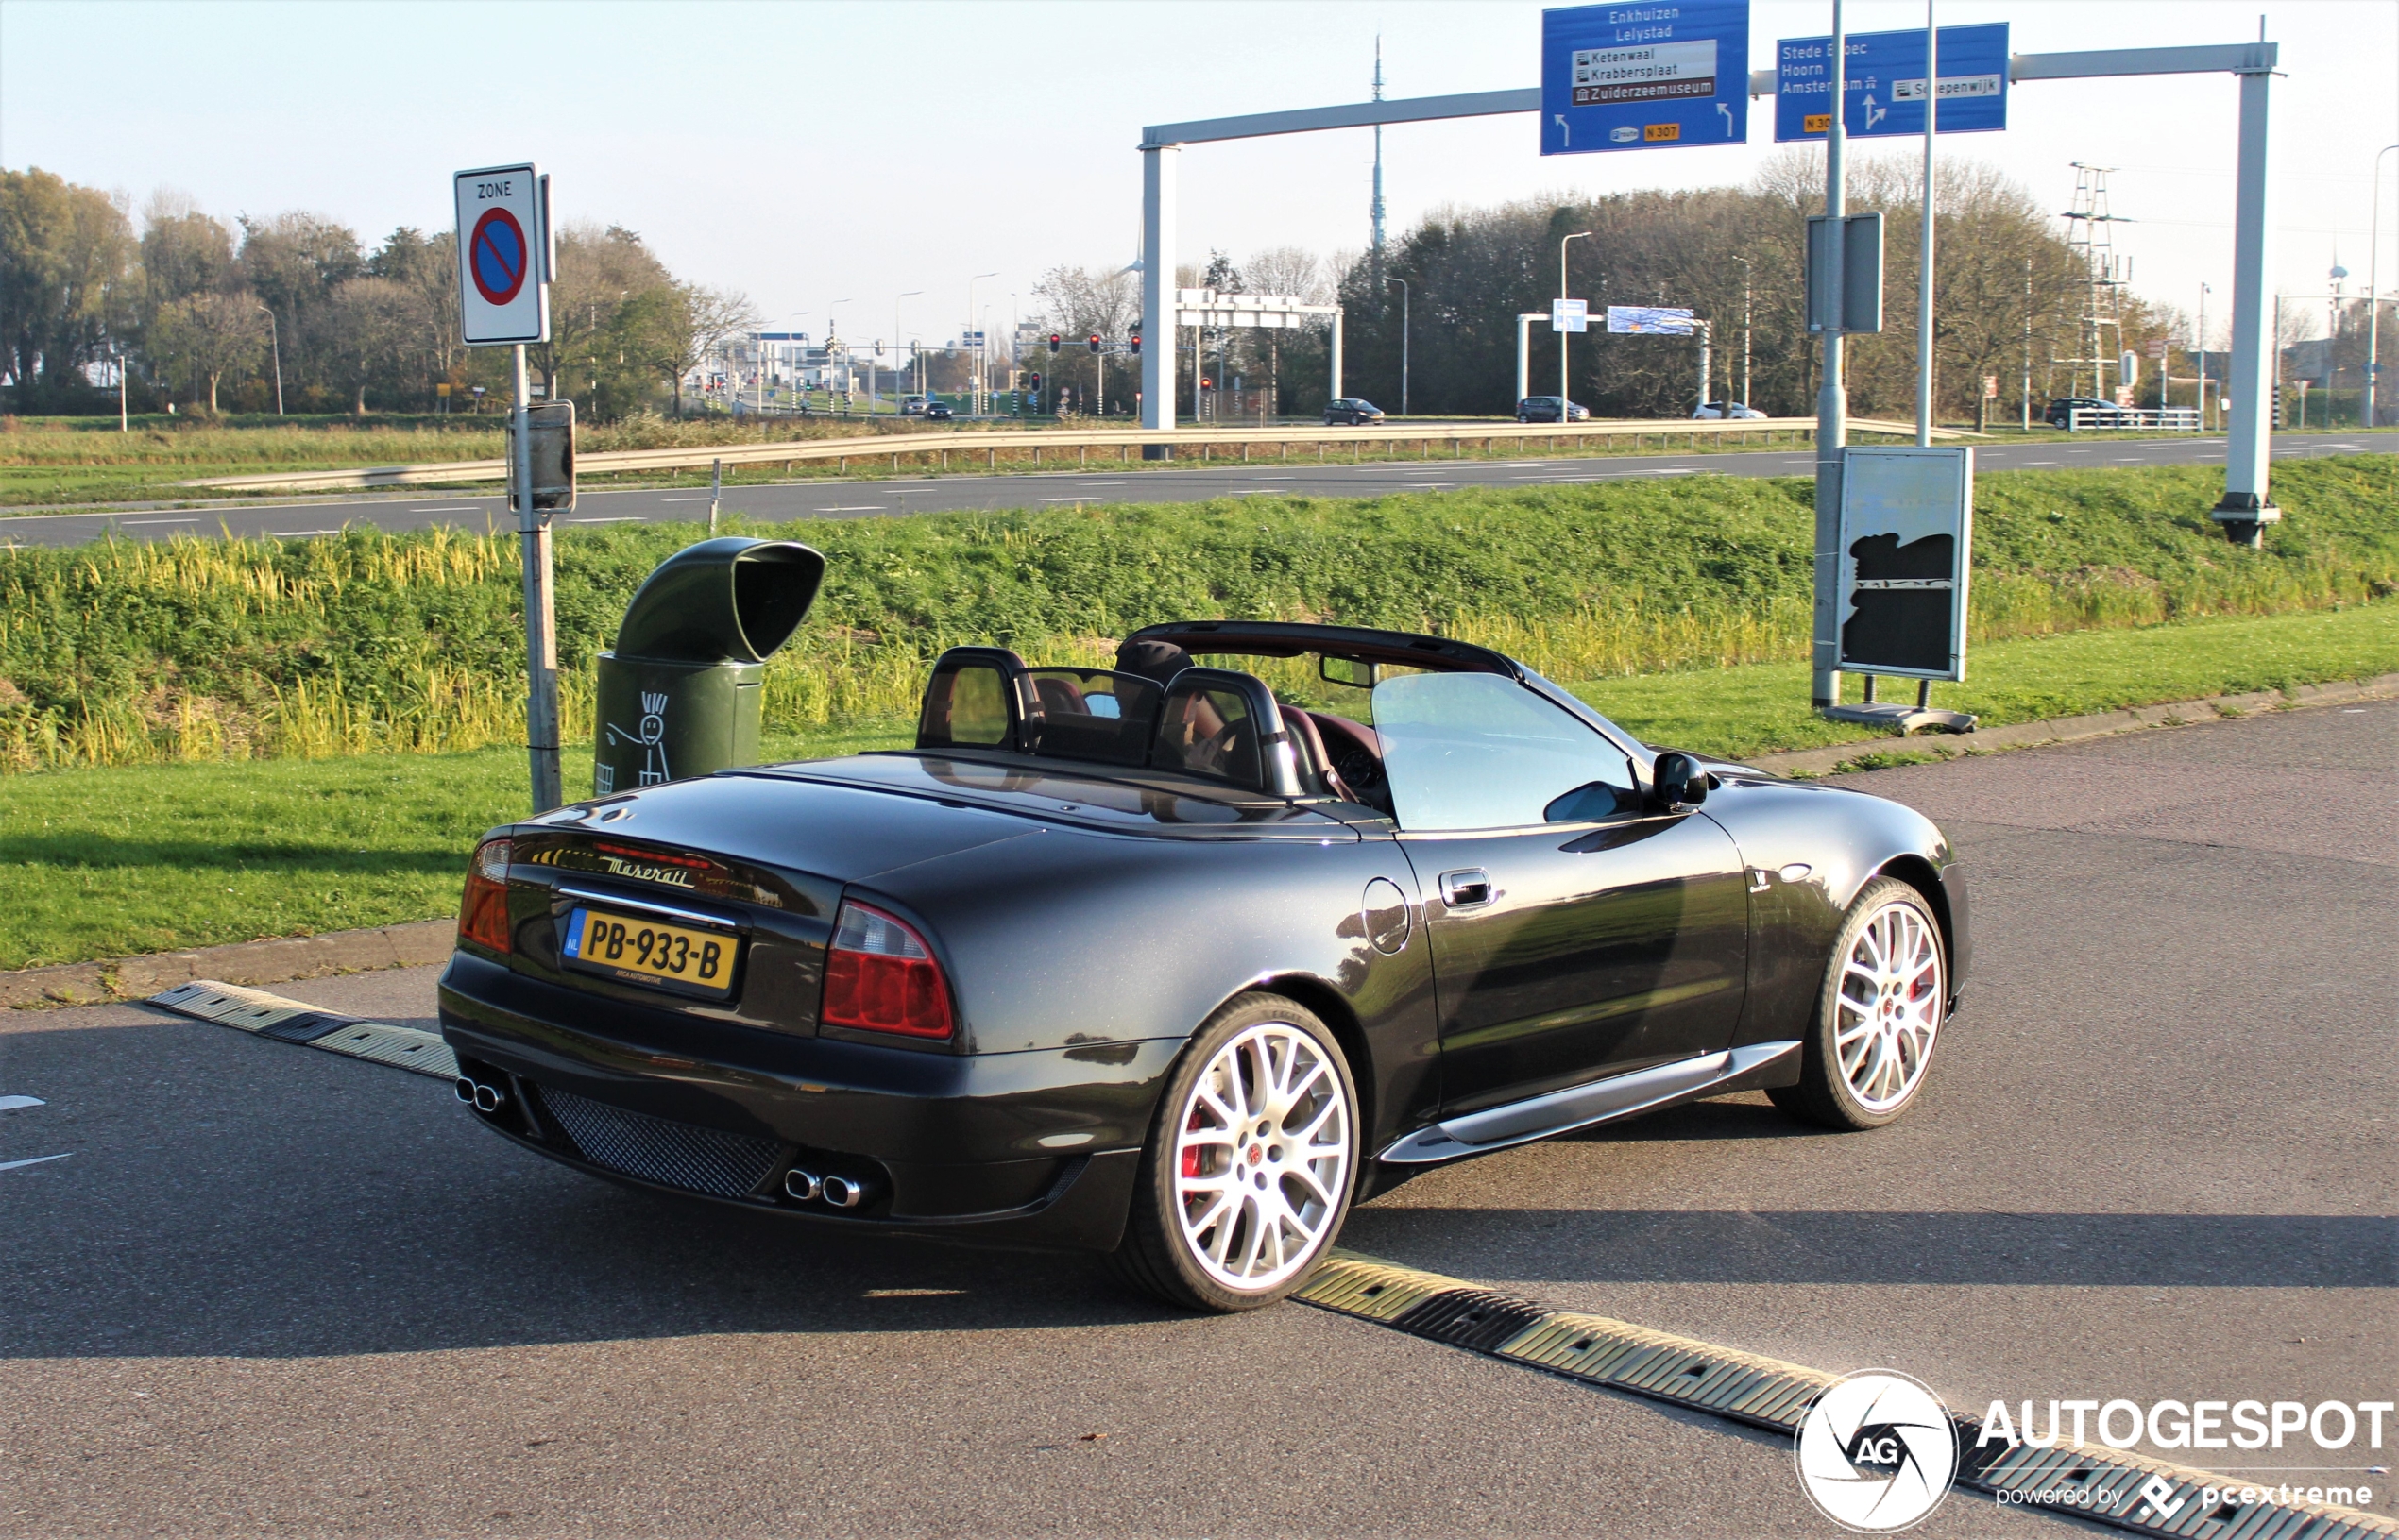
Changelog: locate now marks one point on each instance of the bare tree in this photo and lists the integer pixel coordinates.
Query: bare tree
(708, 319)
(213, 334)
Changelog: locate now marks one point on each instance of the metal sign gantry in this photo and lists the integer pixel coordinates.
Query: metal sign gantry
(2246, 504)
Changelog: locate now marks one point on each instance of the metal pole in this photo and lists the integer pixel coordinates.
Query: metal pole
(123, 425)
(1703, 363)
(1745, 275)
(2024, 399)
(1564, 394)
(1158, 360)
(1523, 355)
(1924, 267)
(274, 337)
(2199, 348)
(2373, 289)
(1833, 399)
(2246, 508)
(541, 617)
(716, 492)
(1336, 354)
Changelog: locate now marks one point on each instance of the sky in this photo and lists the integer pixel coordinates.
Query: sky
(834, 155)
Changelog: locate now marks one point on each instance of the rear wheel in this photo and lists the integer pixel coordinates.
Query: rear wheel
(1879, 1014)
(1251, 1164)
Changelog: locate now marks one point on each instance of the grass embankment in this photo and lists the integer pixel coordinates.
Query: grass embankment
(134, 653)
(107, 862)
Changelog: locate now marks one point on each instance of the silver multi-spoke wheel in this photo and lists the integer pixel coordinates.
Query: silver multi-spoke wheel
(1888, 1008)
(1262, 1156)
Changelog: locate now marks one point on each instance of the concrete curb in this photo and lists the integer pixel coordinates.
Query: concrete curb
(275, 961)
(1877, 753)
(284, 960)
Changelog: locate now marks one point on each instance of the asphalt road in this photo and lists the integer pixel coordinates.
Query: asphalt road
(901, 495)
(271, 1289)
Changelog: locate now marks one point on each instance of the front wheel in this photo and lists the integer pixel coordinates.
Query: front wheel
(1878, 1016)
(1251, 1164)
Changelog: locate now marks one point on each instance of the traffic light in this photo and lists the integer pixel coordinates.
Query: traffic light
(1136, 345)
(1035, 382)
(1095, 343)
(1053, 342)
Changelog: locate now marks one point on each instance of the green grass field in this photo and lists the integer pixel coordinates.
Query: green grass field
(112, 861)
(127, 652)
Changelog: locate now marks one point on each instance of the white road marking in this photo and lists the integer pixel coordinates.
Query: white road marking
(635, 519)
(130, 523)
(39, 1159)
(876, 507)
(299, 535)
(1103, 499)
(477, 507)
(12, 1103)
(1936, 226)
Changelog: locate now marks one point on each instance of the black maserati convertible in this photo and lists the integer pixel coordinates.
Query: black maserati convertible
(1161, 962)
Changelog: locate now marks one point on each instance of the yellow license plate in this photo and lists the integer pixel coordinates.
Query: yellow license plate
(650, 951)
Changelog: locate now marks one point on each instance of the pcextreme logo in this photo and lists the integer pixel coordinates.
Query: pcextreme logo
(1877, 1452)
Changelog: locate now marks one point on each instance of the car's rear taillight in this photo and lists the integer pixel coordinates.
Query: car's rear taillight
(881, 977)
(483, 916)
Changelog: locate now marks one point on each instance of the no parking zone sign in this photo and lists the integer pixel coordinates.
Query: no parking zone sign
(504, 255)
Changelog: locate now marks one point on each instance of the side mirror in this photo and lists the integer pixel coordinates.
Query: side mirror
(1348, 671)
(1678, 782)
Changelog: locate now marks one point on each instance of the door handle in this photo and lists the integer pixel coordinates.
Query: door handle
(1468, 889)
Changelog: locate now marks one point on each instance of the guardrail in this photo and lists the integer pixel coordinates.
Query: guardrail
(1201, 443)
(2173, 419)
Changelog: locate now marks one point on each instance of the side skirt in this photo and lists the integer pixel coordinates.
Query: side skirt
(1600, 1101)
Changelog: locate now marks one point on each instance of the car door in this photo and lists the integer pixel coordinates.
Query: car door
(1576, 932)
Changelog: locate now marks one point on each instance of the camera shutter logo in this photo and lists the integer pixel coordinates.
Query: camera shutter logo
(1877, 1452)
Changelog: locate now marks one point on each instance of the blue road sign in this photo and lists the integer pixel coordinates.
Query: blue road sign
(1644, 76)
(1885, 96)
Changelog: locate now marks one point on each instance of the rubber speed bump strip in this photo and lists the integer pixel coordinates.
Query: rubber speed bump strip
(293, 1020)
(1767, 1393)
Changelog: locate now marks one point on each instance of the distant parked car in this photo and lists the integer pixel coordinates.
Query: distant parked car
(1551, 409)
(1350, 411)
(1717, 411)
(2096, 413)
(938, 412)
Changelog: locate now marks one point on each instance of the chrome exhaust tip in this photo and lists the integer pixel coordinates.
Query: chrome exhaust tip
(802, 1185)
(465, 1089)
(843, 1192)
(488, 1099)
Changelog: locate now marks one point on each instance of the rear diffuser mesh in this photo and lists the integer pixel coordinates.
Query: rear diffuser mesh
(657, 1150)
(1768, 1392)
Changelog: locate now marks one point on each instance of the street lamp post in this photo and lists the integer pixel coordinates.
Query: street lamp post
(2373, 289)
(2199, 347)
(1747, 275)
(899, 338)
(832, 335)
(275, 336)
(1564, 396)
(975, 398)
(1403, 338)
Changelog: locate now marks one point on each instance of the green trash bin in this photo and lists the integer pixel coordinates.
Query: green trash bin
(680, 694)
